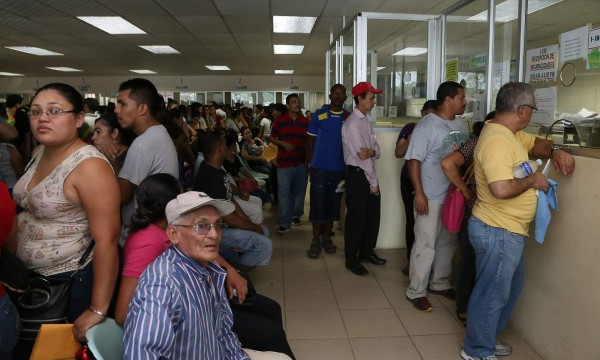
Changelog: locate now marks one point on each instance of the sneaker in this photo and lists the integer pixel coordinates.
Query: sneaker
(447, 293)
(405, 270)
(464, 356)
(421, 304)
(502, 349)
(296, 221)
(283, 230)
(314, 251)
(328, 246)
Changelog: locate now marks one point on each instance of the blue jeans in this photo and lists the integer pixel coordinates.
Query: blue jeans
(500, 276)
(251, 248)
(10, 326)
(291, 183)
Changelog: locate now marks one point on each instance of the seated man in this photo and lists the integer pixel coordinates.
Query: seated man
(179, 309)
(244, 242)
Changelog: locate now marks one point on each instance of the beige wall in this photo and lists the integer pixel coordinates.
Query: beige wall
(558, 313)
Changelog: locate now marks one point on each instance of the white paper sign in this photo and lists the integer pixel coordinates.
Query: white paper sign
(479, 107)
(542, 64)
(392, 111)
(573, 44)
(545, 100)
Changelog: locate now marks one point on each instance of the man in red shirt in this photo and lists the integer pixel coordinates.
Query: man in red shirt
(289, 134)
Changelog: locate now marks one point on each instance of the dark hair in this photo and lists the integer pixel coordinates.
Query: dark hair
(68, 92)
(13, 100)
(236, 113)
(337, 86)
(280, 107)
(208, 142)
(3, 113)
(447, 89)
(512, 95)
(175, 114)
(231, 138)
(111, 122)
(490, 116)
(477, 127)
(92, 103)
(429, 105)
(144, 92)
(152, 195)
(362, 96)
(287, 98)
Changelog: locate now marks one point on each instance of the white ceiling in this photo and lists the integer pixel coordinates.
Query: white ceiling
(236, 33)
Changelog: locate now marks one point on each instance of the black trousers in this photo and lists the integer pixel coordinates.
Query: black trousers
(363, 211)
(464, 274)
(260, 327)
(408, 197)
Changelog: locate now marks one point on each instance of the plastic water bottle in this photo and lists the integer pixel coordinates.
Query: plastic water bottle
(526, 168)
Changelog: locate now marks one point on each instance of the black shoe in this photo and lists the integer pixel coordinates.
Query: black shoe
(374, 259)
(314, 251)
(296, 221)
(357, 269)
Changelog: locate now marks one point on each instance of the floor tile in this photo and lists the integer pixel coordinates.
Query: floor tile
(334, 262)
(310, 299)
(301, 263)
(361, 298)
(306, 279)
(322, 349)
(344, 278)
(521, 350)
(267, 280)
(315, 325)
(438, 321)
(389, 348)
(276, 264)
(438, 347)
(388, 275)
(372, 323)
(397, 297)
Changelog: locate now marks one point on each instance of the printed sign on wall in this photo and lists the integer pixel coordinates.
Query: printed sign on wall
(542, 64)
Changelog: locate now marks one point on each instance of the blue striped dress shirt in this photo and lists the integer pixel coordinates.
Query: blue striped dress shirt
(179, 311)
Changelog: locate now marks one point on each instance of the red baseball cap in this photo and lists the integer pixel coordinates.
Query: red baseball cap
(364, 86)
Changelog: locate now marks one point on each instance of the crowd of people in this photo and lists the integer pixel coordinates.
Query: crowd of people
(168, 201)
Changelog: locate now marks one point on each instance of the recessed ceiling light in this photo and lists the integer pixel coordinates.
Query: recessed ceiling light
(33, 50)
(507, 11)
(218, 67)
(293, 24)
(380, 68)
(143, 71)
(62, 68)
(284, 72)
(112, 24)
(288, 49)
(160, 49)
(410, 51)
(10, 74)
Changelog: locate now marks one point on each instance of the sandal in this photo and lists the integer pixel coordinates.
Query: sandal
(314, 251)
(328, 246)
(462, 317)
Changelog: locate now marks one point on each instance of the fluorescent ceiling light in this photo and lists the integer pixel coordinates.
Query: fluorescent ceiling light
(508, 10)
(293, 24)
(380, 68)
(284, 72)
(112, 24)
(288, 49)
(62, 68)
(218, 67)
(160, 49)
(33, 50)
(410, 51)
(143, 71)
(9, 74)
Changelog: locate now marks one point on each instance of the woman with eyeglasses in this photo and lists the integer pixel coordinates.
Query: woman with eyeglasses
(258, 327)
(70, 200)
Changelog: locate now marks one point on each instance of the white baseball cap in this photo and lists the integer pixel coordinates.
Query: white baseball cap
(192, 200)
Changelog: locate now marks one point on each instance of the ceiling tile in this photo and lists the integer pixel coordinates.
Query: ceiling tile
(255, 24)
(297, 8)
(245, 7)
(203, 24)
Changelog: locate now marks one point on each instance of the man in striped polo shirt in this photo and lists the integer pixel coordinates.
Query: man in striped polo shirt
(289, 134)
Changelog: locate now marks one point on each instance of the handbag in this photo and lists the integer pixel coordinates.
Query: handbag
(453, 210)
(44, 301)
(247, 184)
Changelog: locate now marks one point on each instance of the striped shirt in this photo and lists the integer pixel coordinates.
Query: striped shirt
(292, 131)
(179, 311)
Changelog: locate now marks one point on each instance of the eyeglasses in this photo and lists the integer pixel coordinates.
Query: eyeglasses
(533, 108)
(204, 228)
(53, 112)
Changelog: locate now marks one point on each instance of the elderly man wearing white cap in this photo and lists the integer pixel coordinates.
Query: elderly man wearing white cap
(179, 309)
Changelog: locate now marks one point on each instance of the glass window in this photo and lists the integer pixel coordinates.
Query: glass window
(347, 41)
(244, 98)
(214, 96)
(266, 97)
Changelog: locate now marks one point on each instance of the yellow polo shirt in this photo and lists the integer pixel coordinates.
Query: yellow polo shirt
(498, 151)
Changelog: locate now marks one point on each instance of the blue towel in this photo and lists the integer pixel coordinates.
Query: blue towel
(542, 216)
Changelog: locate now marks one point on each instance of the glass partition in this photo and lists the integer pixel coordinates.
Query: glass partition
(348, 70)
(243, 98)
(266, 97)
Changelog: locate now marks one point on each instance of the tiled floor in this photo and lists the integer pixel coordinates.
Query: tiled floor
(332, 314)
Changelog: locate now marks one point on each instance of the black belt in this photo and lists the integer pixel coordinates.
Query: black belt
(354, 168)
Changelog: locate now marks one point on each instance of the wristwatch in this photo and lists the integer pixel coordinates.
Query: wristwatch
(554, 148)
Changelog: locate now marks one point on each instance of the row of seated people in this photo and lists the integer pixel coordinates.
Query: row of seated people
(69, 195)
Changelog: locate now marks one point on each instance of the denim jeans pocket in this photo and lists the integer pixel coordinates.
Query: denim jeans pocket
(479, 234)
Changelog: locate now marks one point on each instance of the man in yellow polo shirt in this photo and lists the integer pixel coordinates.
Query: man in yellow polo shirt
(504, 208)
